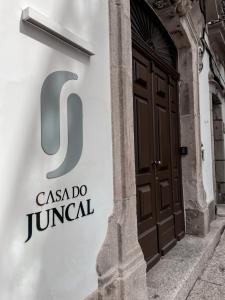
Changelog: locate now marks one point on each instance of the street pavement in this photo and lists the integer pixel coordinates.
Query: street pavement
(211, 284)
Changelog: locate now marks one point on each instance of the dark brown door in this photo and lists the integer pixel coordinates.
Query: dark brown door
(145, 157)
(163, 164)
(156, 126)
(158, 176)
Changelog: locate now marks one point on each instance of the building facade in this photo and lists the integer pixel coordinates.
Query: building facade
(114, 151)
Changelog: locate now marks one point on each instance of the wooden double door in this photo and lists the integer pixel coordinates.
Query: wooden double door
(158, 172)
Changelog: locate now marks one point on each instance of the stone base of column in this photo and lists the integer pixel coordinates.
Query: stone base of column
(120, 265)
(212, 211)
(197, 222)
(128, 284)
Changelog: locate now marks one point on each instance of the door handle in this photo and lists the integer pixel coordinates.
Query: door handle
(156, 163)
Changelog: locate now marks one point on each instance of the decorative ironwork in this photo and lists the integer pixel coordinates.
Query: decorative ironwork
(148, 27)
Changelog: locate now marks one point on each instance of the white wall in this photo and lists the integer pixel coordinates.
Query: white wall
(206, 129)
(60, 262)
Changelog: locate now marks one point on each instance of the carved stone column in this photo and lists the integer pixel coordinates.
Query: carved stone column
(184, 25)
(121, 266)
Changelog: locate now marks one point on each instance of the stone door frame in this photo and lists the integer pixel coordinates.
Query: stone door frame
(120, 265)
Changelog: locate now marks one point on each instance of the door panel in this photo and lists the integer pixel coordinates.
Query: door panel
(144, 152)
(166, 234)
(143, 128)
(162, 138)
(164, 196)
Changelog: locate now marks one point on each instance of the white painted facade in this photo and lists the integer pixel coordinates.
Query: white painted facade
(206, 120)
(60, 262)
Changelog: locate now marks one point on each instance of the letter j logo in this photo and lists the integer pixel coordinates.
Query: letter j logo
(50, 121)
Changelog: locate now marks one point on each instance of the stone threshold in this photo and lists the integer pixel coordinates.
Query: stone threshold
(176, 273)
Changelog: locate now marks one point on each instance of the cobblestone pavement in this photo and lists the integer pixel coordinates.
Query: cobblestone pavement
(211, 284)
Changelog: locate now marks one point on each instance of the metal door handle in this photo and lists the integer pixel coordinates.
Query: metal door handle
(156, 163)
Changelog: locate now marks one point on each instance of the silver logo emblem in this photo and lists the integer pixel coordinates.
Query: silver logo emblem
(50, 121)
